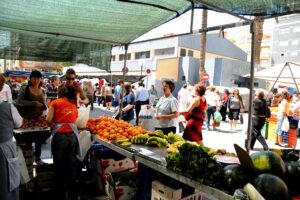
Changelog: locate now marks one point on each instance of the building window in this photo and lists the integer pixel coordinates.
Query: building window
(142, 55)
(295, 42)
(283, 43)
(182, 52)
(113, 58)
(293, 53)
(191, 53)
(166, 51)
(121, 57)
(296, 29)
(284, 31)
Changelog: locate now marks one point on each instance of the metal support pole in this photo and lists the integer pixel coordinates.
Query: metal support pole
(249, 131)
(192, 17)
(125, 60)
(4, 60)
(288, 64)
(276, 80)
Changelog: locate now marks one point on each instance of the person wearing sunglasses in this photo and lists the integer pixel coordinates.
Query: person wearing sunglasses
(70, 81)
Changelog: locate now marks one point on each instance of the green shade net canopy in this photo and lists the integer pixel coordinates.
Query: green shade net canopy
(68, 30)
(266, 8)
(76, 30)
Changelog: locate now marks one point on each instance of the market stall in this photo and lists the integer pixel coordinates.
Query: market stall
(218, 177)
(154, 158)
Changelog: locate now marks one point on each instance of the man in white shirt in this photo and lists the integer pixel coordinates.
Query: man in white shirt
(142, 98)
(212, 104)
(5, 91)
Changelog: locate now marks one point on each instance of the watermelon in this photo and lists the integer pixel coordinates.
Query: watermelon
(236, 177)
(271, 187)
(293, 177)
(268, 162)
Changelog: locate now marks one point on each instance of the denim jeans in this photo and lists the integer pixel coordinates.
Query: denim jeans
(279, 124)
(210, 112)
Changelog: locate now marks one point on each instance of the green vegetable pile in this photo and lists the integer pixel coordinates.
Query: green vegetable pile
(195, 161)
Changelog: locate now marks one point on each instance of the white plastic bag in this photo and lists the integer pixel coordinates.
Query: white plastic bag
(285, 125)
(24, 175)
(85, 140)
(146, 117)
(83, 116)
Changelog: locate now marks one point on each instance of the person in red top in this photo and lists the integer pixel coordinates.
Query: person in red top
(63, 114)
(195, 114)
(223, 109)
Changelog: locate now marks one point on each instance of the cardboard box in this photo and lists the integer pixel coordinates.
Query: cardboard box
(163, 192)
(105, 161)
(112, 165)
(121, 192)
(199, 196)
(122, 185)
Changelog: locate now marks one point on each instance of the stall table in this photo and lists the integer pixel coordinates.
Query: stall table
(153, 157)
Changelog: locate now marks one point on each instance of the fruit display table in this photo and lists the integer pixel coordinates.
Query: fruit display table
(32, 135)
(153, 157)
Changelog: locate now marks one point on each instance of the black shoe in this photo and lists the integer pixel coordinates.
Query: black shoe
(276, 143)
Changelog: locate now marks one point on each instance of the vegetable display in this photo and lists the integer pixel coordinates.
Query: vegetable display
(195, 161)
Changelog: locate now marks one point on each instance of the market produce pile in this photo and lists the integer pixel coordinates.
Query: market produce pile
(196, 161)
(271, 177)
(35, 122)
(109, 129)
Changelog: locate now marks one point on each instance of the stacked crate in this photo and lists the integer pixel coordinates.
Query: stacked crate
(44, 177)
(110, 166)
(29, 160)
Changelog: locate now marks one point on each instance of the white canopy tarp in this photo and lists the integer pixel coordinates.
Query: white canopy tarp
(85, 70)
(285, 78)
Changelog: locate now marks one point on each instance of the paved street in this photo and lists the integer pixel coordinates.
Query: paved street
(222, 138)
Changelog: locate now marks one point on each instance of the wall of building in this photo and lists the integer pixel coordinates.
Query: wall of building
(189, 68)
(214, 44)
(286, 40)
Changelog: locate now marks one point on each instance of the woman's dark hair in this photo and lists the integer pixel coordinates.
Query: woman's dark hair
(226, 91)
(285, 95)
(35, 74)
(200, 89)
(70, 71)
(170, 83)
(127, 87)
(69, 91)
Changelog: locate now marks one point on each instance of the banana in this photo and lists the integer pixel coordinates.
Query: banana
(122, 140)
(126, 144)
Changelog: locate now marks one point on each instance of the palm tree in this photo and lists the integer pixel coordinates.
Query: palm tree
(203, 45)
(258, 35)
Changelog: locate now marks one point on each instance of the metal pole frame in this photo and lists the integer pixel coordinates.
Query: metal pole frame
(277, 80)
(192, 17)
(125, 60)
(288, 64)
(250, 111)
(249, 130)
